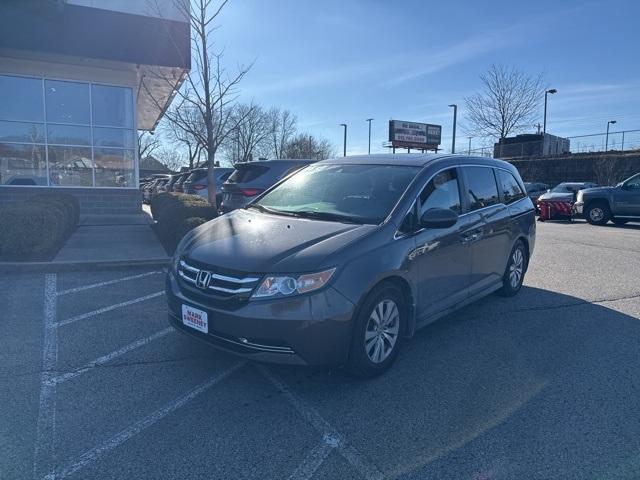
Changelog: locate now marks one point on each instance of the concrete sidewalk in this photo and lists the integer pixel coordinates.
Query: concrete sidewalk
(115, 238)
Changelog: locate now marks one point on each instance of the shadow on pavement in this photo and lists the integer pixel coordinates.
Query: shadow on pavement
(542, 385)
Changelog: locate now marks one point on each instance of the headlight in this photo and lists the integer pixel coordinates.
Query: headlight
(285, 286)
(175, 261)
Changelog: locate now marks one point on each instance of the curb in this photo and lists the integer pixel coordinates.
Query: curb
(51, 267)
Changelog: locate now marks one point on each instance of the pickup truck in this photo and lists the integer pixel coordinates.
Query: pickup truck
(619, 204)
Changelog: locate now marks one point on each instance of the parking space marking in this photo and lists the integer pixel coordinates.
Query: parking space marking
(353, 456)
(84, 316)
(109, 282)
(314, 459)
(133, 430)
(44, 450)
(110, 356)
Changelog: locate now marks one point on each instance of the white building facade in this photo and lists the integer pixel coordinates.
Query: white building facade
(78, 78)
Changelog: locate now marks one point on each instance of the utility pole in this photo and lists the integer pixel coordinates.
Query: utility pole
(455, 115)
(606, 144)
(344, 144)
(538, 126)
(369, 120)
(469, 153)
(551, 91)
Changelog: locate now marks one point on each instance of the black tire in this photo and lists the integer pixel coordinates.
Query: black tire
(597, 213)
(510, 287)
(620, 221)
(360, 363)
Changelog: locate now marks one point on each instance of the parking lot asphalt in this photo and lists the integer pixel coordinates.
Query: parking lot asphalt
(545, 385)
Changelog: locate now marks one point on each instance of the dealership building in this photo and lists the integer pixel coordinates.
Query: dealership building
(78, 79)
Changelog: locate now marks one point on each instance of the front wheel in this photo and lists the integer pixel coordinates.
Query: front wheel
(514, 273)
(378, 330)
(597, 213)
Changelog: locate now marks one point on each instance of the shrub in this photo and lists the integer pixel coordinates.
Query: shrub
(37, 227)
(178, 213)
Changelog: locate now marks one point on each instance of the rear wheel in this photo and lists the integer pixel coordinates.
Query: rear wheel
(379, 326)
(514, 273)
(597, 213)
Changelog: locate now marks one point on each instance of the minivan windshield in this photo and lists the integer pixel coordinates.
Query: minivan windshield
(344, 193)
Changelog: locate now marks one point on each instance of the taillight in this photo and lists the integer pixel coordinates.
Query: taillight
(250, 192)
(199, 186)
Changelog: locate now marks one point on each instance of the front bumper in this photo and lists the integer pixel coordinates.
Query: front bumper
(312, 329)
(578, 208)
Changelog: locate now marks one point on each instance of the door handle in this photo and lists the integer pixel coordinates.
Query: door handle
(469, 237)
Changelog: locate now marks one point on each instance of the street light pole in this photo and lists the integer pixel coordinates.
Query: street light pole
(344, 144)
(606, 143)
(369, 120)
(551, 91)
(455, 117)
(470, 145)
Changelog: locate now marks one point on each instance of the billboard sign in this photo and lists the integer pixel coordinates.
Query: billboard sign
(414, 134)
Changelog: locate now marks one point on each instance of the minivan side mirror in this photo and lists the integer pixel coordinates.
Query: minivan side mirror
(438, 218)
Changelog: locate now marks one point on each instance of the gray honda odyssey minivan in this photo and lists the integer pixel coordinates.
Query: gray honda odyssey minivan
(341, 262)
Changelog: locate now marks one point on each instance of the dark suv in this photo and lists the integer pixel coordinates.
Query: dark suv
(252, 178)
(344, 260)
(619, 204)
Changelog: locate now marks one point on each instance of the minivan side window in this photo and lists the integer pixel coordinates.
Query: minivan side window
(511, 190)
(441, 192)
(482, 190)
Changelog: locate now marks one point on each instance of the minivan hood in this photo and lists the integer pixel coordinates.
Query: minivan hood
(251, 241)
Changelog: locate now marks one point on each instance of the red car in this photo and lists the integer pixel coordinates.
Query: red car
(557, 203)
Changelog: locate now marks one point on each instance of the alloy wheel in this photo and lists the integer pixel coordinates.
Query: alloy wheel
(381, 333)
(596, 214)
(516, 269)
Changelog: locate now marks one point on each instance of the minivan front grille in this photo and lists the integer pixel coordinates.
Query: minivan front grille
(215, 283)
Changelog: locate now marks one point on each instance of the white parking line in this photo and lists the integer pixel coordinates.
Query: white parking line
(355, 458)
(109, 282)
(84, 316)
(110, 356)
(129, 432)
(44, 454)
(314, 459)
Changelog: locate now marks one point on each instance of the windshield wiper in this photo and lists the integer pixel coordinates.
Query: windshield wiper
(263, 209)
(325, 216)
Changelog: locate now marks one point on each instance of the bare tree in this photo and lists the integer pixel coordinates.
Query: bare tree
(283, 125)
(171, 158)
(305, 145)
(507, 104)
(209, 87)
(184, 128)
(251, 134)
(147, 144)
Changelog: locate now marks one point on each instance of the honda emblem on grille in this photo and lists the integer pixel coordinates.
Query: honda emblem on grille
(202, 280)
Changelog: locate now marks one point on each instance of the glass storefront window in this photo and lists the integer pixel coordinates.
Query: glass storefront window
(112, 106)
(70, 166)
(113, 137)
(22, 132)
(87, 134)
(114, 167)
(22, 164)
(67, 102)
(21, 99)
(68, 135)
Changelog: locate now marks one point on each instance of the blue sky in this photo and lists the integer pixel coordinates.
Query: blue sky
(335, 61)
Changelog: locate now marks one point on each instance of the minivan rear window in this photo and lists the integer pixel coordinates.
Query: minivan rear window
(247, 173)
